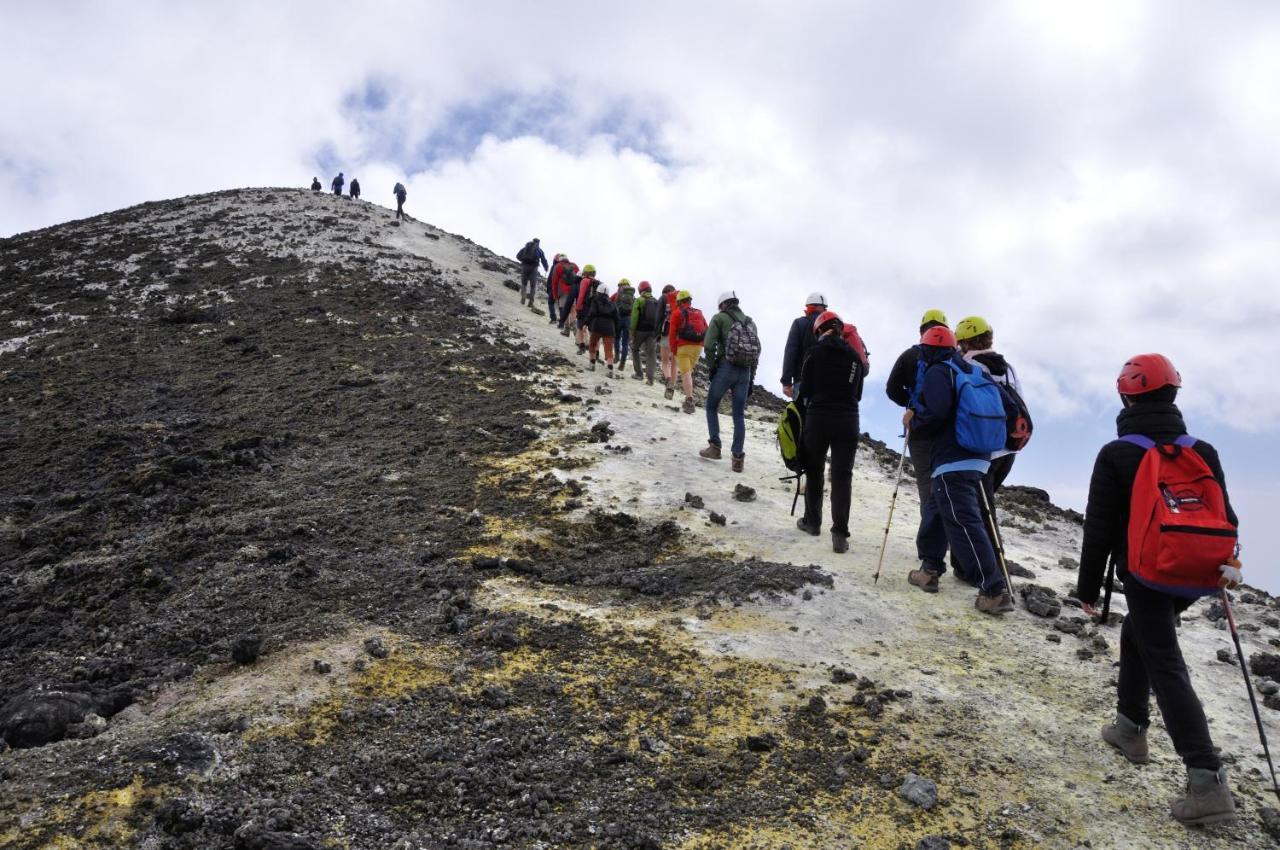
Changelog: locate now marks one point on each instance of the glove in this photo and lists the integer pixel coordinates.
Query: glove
(1231, 575)
(788, 391)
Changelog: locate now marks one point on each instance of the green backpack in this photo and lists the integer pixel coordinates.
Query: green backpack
(791, 446)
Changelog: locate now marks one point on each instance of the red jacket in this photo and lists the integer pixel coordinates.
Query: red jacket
(583, 288)
(557, 272)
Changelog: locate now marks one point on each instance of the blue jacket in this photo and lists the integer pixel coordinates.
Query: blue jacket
(935, 415)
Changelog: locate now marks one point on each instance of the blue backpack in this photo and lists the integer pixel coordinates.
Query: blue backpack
(980, 414)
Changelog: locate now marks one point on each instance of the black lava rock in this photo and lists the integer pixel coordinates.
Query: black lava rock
(42, 717)
(246, 649)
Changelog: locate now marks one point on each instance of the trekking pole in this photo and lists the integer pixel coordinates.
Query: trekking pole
(1248, 683)
(893, 502)
(996, 542)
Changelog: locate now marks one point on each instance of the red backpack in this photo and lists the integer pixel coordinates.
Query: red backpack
(694, 326)
(1179, 533)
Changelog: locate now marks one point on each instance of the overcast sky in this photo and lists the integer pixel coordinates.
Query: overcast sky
(1097, 179)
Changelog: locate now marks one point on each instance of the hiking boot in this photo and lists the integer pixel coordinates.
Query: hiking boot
(711, 452)
(737, 462)
(592, 367)
(564, 332)
(669, 393)
(689, 406)
(1208, 799)
(582, 349)
(1000, 603)
(650, 382)
(808, 528)
(839, 543)
(637, 376)
(926, 580)
(1129, 738)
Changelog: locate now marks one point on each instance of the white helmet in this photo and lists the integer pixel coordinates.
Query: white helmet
(816, 298)
(727, 295)
(603, 289)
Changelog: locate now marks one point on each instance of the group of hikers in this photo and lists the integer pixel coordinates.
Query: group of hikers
(1157, 513)
(400, 192)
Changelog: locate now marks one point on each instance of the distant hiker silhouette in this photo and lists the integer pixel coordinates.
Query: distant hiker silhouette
(315, 184)
(355, 188)
(401, 193)
(337, 184)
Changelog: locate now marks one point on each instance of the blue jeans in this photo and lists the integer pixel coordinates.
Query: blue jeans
(953, 516)
(738, 380)
(551, 303)
(624, 337)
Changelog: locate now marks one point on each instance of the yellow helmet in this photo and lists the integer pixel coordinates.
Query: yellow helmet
(624, 282)
(972, 326)
(683, 295)
(934, 315)
(588, 269)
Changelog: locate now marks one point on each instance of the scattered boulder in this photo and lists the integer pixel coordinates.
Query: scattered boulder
(1265, 664)
(42, 717)
(933, 842)
(718, 519)
(600, 432)
(1016, 569)
(1267, 687)
(1040, 600)
(919, 791)
(321, 667)
(246, 649)
(743, 493)
(375, 647)
(761, 743)
(1225, 656)
(694, 501)
(1215, 612)
(1270, 821)
(1070, 625)
(179, 816)
(840, 676)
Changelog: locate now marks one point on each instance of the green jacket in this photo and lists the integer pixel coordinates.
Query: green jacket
(718, 334)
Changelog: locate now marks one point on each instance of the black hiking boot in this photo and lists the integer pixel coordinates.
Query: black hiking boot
(808, 528)
(839, 542)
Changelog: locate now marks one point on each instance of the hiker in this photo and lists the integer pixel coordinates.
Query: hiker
(667, 304)
(586, 288)
(901, 388)
(624, 299)
(1150, 658)
(732, 348)
(529, 256)
(553, 281)
(355, 188)
(830, 388)
(799, 340)
(337, 184)
(315, 184)
(688, 329)
(952, 516)
(975, 338)
(401, 193)
(601, 320)
(565, 291)
(644, 331)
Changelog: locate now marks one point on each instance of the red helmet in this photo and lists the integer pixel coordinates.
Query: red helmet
(940, 336)
(645, 286)
(1143, 373)
(825, 318)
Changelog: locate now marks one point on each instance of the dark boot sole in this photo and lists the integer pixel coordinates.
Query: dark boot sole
(1224, 817)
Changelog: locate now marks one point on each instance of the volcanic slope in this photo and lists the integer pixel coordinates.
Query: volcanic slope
(312, 537)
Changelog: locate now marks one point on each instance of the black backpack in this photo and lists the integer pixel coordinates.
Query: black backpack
(648, 320)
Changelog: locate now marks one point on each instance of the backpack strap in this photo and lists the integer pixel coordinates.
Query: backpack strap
(1186, 441)
(1142, 442)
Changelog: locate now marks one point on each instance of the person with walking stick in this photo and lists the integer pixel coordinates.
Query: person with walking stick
(1155, 469)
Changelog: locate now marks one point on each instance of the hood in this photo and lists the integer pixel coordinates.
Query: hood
(1158, 420)
(995, 363)
(936, 353)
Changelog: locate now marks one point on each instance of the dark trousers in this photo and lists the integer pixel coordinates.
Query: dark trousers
(953, 518)
(839, 433)
(1151, 660)
(920, 450)
(624, 342)
(551, 302)
(646, 350)
(991, 484)
(400, 207)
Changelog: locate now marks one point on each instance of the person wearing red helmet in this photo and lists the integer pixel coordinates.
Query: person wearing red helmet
(830, 389)
(953, 515)
(667, 311)
(901, 386)
(645, 316)
(1150, 658)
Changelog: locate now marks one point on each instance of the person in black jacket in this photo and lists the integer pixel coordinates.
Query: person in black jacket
(355, 188)
(1150, 658)
(530, 256)
(600, 316)
(901, 387)
(799, 340)
(338, 183)
(315, 184)
(952, 517)
(830, 389)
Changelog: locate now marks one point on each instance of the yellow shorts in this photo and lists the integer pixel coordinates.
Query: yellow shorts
(687, 358)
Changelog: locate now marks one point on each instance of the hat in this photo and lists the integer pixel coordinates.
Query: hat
(645, 287)
(972, 326)
(934, 315)
(727, 295)
(1144, 373)
(939, 336)
(623, 282)
(683, 295)
(603, 289)
(816, 298)
(824, 319)
(588, 269)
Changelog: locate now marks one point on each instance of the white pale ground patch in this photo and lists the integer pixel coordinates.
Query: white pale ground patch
(1032, 702)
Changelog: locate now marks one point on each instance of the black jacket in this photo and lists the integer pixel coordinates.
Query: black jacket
(831, 380)
(902, 377)
(601, 315)
(1106, 518)
(799, 340)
